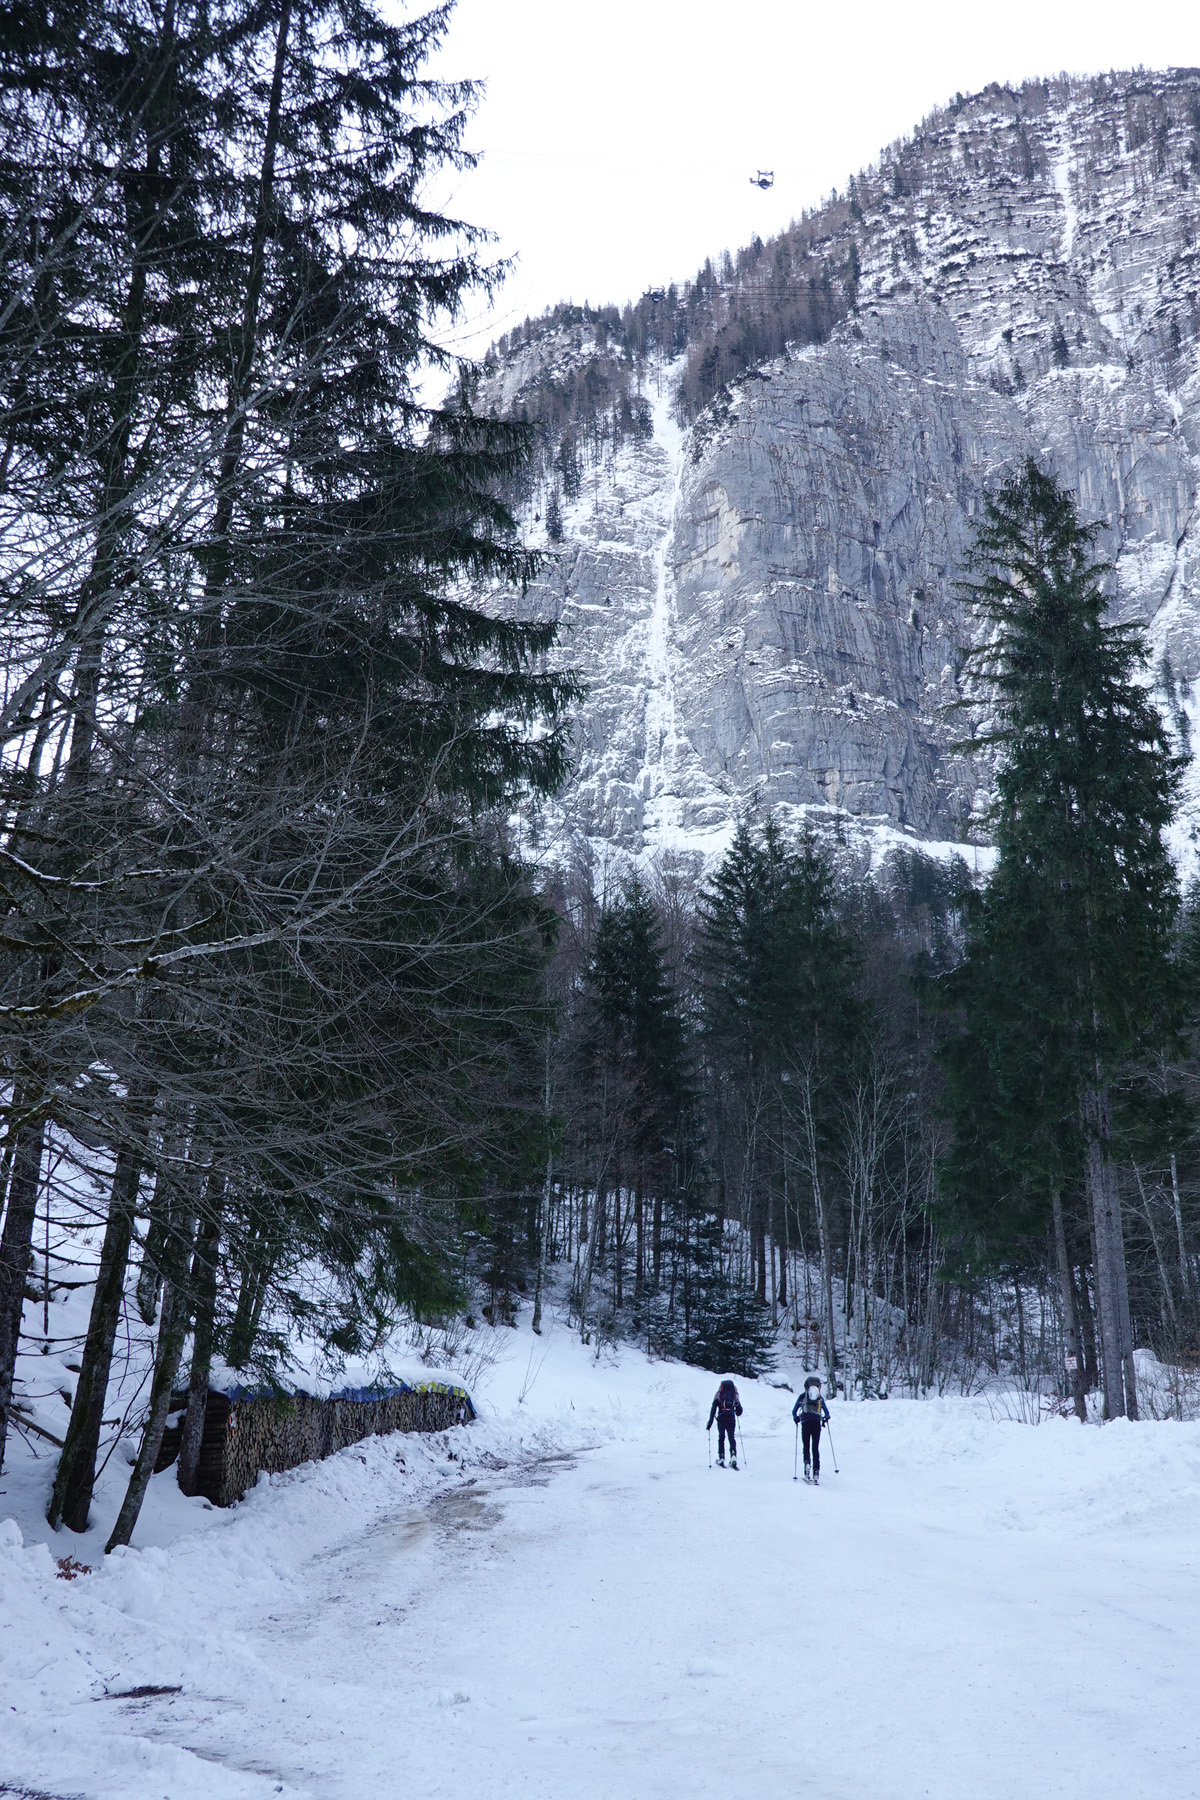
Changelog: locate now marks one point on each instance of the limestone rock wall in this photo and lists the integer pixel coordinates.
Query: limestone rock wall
(769, 604)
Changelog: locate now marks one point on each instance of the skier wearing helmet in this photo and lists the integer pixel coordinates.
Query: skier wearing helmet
(810, 1413)
(726, 1409)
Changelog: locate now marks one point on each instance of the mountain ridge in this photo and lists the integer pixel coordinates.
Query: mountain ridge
(1019, 277)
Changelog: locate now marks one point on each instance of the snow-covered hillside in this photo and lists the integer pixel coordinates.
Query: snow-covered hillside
(566, 1599)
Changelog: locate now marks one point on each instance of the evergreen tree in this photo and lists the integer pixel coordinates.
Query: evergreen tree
(634, 1054)
(256, 736)
(1068, 972)
(776, 969)
(637, 1024)
(718, 1320)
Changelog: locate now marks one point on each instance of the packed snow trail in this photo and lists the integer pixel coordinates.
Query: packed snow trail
(566, 1601)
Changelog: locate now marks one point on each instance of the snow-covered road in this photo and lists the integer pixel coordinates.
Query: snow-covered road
(576, 1606)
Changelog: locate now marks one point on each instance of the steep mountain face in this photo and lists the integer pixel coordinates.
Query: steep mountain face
(766, 601)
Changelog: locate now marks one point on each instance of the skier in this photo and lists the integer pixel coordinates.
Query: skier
(810, 1413)
(726, 1410)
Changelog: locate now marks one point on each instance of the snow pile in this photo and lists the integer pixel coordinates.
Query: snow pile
(352, 1378)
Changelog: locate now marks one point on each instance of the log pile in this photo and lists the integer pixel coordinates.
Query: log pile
(249, 1430)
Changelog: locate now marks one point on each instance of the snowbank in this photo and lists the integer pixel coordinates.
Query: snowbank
(565, 1598)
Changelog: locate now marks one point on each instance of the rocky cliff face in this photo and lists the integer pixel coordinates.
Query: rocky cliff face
(767, 602)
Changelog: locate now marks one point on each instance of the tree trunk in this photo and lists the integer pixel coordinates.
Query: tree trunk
(639, 1248)
(1112, 1296)
(1185, 1272)
(547, 1197)
(656, 1240)
(15, 1249)
(149, 1281)
(172, 1330)
(774, 1282)
(619, 1246)
(1128, 1366)
(1087, 1325)
(204, 1292)
(240, 387)
(1075, 1369)
(826, 1287)
(543, 1242)
(256, 1273)
(96, 600)
(1170, 1312)
(76, 1473)
(824, 1238)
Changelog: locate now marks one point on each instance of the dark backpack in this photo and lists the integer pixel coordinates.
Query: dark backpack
(727, 1397)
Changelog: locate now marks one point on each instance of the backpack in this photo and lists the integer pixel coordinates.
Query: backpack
(812, 1398)
(727, 1396)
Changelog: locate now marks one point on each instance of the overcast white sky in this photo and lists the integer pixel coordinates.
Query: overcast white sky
(618, 137)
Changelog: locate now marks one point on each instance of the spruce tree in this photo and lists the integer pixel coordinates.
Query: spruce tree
(634, 1052)
(1068, 972)
(241, 655)
(777, 973)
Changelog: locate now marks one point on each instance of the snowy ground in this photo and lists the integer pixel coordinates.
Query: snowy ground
(563, 1602)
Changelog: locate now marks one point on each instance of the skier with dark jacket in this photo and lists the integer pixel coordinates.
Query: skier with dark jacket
(810, 1413)
(726, 1409)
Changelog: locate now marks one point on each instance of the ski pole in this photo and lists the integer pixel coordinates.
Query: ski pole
(796, 1457)
(710, 1446)
(745, 1464)
(832, 1451)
